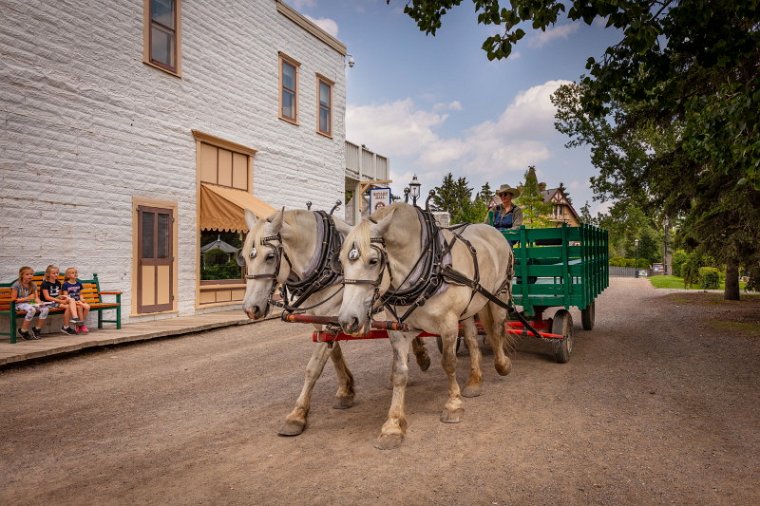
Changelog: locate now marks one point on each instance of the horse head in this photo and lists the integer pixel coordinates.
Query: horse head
(262, 252)
(365, 273)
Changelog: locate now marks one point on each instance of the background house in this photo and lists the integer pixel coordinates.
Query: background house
(562, 209)
(135, 132)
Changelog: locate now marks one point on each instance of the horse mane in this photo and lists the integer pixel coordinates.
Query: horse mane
(361, 235)
(359, 238)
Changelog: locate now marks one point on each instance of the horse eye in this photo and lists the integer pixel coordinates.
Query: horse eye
(270, 257)
(253, 253)
(373, 261)
(353, 255)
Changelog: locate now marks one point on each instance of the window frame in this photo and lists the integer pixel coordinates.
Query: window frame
(148, 38)
(282, 61)
(330, 85)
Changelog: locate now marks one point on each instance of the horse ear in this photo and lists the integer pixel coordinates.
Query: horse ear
(250, 219)
(277, 220)
(342, 227)
(379, 229)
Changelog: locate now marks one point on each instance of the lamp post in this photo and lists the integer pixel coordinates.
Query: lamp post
(414, 188)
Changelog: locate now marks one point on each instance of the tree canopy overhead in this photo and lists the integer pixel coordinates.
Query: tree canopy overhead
(670, 111)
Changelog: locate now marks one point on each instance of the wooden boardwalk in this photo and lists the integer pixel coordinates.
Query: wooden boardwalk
(60, 343)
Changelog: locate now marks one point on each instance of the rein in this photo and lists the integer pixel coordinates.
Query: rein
(434, 273)
(325, 273)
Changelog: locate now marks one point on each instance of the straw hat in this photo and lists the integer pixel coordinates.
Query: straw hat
(505, 188)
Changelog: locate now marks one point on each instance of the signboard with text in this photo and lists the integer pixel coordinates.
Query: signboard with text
(378, 198)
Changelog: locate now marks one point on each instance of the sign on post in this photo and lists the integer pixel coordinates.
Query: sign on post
(378, 198)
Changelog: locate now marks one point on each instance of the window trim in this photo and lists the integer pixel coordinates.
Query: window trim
(330, 84)
(177, 71)
(283, 58)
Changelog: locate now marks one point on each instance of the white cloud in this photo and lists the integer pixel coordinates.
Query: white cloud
(326, 24)
(451, 106)
(520, 136)
(394, 128)
(540, 39)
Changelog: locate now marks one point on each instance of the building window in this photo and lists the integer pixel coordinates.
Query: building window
(324, 94)
(288, 89)
(162, 34)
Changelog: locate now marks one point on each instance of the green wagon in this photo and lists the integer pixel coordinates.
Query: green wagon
(560, 268)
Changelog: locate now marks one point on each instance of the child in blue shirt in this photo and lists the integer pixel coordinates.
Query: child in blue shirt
(73, 289)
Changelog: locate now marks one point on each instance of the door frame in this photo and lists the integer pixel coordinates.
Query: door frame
(138, 202)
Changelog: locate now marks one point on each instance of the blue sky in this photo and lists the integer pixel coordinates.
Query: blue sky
(434, 105)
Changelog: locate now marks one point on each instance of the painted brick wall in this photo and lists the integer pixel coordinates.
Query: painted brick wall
(86, 125)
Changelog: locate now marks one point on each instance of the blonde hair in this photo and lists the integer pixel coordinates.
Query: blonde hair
(22, 270)
(68, 270)
(51, 268)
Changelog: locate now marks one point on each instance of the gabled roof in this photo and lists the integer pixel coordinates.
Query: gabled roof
(549, 195)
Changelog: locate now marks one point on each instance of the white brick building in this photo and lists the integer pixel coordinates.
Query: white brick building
(99, 137)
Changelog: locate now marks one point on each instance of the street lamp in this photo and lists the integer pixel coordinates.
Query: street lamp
(414, 187)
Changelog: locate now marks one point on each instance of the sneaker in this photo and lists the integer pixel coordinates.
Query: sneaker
(69, 331)
(25, 335)
(74, 320)
(83, 329)
(36, 333)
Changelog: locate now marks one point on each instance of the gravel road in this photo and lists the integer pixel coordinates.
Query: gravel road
(659, 404)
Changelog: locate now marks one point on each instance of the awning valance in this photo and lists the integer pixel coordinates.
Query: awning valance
(224, 208)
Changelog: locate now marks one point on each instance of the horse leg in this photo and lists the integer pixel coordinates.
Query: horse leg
(295, 422)
(473, 388)
(493, 318)
(421, 354)
(452, 411)
(394, 428)
(344, 397)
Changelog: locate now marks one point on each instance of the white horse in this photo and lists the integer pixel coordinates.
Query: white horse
(290, 247)
(380, 256)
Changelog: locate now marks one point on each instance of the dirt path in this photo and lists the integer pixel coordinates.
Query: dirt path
(659, 404)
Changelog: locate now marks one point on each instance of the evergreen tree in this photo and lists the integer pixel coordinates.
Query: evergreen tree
(535, 210)
(586, 214)
(486, 194)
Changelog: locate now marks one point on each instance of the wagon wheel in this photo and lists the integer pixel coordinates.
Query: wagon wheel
(439, 342)
(588, 316)
(563, 325)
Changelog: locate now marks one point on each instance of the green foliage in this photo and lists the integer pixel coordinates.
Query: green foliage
(229, 270)
(690, 268)
(586, 215)
(669, 111)
(639, 263)
(535, 211)
(679, 258)
(709, 278)
(454, 197)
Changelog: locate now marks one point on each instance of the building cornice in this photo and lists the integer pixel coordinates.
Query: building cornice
(310, 27)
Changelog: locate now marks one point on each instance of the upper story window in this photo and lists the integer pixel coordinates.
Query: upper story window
(288, 89)
(324, 94)
(162, 34)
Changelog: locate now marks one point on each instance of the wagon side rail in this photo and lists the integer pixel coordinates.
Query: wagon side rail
(563, 266)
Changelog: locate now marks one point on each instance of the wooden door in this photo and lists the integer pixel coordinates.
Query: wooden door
(155, 276)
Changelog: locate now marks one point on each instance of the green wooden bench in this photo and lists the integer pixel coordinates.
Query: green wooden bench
(90, 294)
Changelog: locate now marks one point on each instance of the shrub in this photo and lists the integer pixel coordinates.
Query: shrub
(679, 258)
(709, 278)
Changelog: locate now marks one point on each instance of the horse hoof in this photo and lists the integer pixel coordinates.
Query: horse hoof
(291, 428)
(343, 402)
(452, 416)
(389, 441)
(505, 368)
(424, 363)
(472, 391)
